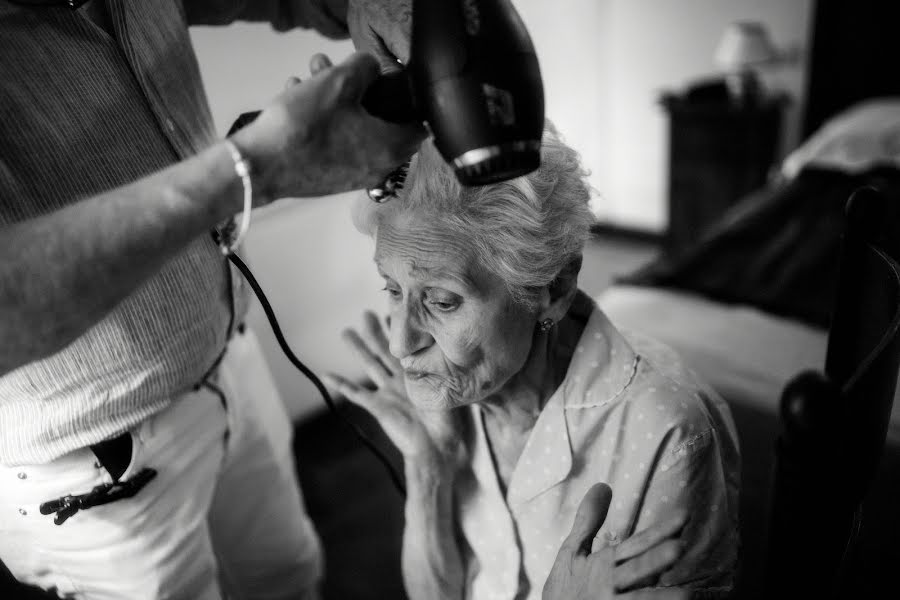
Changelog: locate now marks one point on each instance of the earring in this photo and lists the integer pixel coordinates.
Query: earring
(547, 324)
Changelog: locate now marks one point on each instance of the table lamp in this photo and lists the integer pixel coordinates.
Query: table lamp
(745, 46)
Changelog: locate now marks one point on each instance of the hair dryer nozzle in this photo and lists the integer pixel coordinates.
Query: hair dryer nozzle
(500, 162)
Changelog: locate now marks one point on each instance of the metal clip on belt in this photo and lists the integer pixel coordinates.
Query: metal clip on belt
(67, 506)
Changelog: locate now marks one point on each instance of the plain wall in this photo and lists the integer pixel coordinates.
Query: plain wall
(604, 63)
(659, 45)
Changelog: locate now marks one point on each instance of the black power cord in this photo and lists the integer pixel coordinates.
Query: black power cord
(276, 329)
(242, 121)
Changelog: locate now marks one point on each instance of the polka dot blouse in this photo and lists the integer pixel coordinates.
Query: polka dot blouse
(629, 414)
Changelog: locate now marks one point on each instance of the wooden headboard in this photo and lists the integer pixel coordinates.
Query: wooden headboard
(855, 54)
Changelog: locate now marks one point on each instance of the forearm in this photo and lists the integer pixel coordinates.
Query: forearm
(432, 565)
(63, 272)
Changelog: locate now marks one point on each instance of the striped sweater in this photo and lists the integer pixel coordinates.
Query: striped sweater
(88, 105)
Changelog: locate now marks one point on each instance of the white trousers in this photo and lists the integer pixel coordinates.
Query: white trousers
(224, 517)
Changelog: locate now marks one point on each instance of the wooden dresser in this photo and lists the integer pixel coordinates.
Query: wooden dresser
(718, 152)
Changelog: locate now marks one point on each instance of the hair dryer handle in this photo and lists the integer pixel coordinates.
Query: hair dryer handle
(390, 98)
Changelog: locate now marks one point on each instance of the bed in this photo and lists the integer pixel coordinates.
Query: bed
(748, 305)
(750, 302)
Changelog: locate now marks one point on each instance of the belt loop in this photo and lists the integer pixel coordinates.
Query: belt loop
(217, 391)
(212, 371)
(224, 401)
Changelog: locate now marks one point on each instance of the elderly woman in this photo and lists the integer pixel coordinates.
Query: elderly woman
(510, 394)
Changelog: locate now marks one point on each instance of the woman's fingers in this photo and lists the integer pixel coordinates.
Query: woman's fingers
(589, 518)
(396, 418)
(375, 334)
(650, 537)
(319, 62)
(352, 392)
(372, 365)
(291, 82)
(387, 412)
(647, 565)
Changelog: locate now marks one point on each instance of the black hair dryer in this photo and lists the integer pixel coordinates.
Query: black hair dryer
(473, 78)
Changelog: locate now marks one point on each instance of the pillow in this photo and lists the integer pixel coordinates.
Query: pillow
(864, 136)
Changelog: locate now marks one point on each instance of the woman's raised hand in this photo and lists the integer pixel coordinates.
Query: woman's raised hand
(613, 572)
(419, 435)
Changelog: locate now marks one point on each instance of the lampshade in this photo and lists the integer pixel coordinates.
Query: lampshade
(744, 44)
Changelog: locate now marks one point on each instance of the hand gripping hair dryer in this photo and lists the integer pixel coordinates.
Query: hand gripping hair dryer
(473, 79)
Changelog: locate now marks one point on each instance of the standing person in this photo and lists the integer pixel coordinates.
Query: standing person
(124, 357)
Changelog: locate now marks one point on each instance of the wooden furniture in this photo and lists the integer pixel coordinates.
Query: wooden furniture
(718, 152)
(834, 424)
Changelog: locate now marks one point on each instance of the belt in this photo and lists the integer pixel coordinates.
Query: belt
(114, 455)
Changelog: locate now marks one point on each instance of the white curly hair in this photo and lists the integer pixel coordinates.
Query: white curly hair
(525, 231)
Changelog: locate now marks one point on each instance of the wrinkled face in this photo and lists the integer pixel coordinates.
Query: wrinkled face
(455, 328)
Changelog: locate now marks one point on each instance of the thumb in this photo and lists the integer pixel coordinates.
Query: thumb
(356, 74)
(589, 518)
